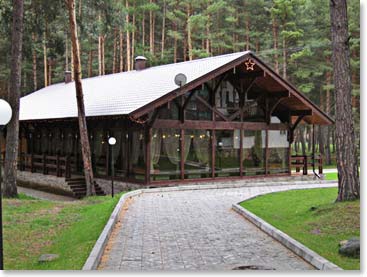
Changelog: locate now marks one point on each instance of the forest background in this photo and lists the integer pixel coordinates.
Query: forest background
(292, 36)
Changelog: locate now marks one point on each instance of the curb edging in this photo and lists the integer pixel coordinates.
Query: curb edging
(298, 248)
(96, 254)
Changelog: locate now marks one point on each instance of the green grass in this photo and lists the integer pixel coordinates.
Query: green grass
(331, 176)
(320, 229)
(70, 229)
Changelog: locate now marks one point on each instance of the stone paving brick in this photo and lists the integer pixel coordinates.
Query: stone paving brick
(197, 230)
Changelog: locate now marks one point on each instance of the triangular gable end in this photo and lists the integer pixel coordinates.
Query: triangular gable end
(288, 97)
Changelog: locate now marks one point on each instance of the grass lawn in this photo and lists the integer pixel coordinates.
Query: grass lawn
(320, 229)
(331, 176)
(70, 229)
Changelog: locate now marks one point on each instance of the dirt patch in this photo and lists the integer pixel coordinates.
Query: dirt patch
(114, 234)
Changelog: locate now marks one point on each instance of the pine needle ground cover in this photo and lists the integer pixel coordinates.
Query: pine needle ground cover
(312, 218)
(69, 229)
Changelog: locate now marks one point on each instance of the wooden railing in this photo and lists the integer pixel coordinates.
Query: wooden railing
(53, 165)
(306, 162)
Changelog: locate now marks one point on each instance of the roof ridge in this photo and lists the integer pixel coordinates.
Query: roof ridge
(147, 69)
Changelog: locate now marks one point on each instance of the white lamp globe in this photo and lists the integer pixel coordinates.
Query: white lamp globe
(111, 141)
(5, 112)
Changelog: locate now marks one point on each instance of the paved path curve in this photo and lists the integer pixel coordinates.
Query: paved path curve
(195, 230)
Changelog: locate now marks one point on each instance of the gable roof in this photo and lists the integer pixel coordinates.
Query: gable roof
(137, 92)
(115, 94)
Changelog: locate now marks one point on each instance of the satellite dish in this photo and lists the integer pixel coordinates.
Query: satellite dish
(180, 79)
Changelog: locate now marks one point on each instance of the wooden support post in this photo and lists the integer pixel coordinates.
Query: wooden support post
(148, 138)
(32, 163)
(182, 149)
(267, 152)
(107, 160)
(44, 163)
(67, 167)
(76, 153)
(214, 144)
(241, 152)
(289, 159)
(305, 165)
(58, 165)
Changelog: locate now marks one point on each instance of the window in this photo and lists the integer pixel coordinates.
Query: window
(254, 145)
(137, 154)
(198, 154)
(165, 154)
(227, 100)
(278, 152)
(227, 156)
(197, 107)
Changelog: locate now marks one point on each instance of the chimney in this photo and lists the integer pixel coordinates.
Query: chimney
(140, 63)
(67, 77)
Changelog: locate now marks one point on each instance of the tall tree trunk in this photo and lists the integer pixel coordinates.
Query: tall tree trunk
(80, 8)
(12, 135)
(188, 24)
(346, 152)
(133, 40)
(143, 31)
(207, 34)
(151, 31)
(87, 161)
(327, 109)
(114, 50)
(128, 53)
(175, 43)
(45, 67)
(163, 29)
(72, 61)
(90, 63)
(34, 62)
(121, 50)
(247, 23)
(99, 52)
(284, 57)
(275, 44)
(257, 43)
(102, 55)
(49, 72)
(321, 129)
(66, 52)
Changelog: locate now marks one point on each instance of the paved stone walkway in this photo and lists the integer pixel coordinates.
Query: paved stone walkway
(195, 230)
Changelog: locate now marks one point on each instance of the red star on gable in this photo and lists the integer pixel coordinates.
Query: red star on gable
(250, 64)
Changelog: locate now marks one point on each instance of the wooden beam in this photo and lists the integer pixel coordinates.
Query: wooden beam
(294, 126)
(279, 94)
(250, 74)
(218, 125)
(301, 112)
(153, 118)
(206, 104)
(187, 100)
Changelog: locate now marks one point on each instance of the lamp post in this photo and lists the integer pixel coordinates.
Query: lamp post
(5, 116)
(112, 142)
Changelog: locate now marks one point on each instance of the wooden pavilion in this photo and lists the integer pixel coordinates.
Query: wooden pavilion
(233, 118)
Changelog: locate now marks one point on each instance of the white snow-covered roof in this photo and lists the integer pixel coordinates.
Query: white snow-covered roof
(116, 94)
